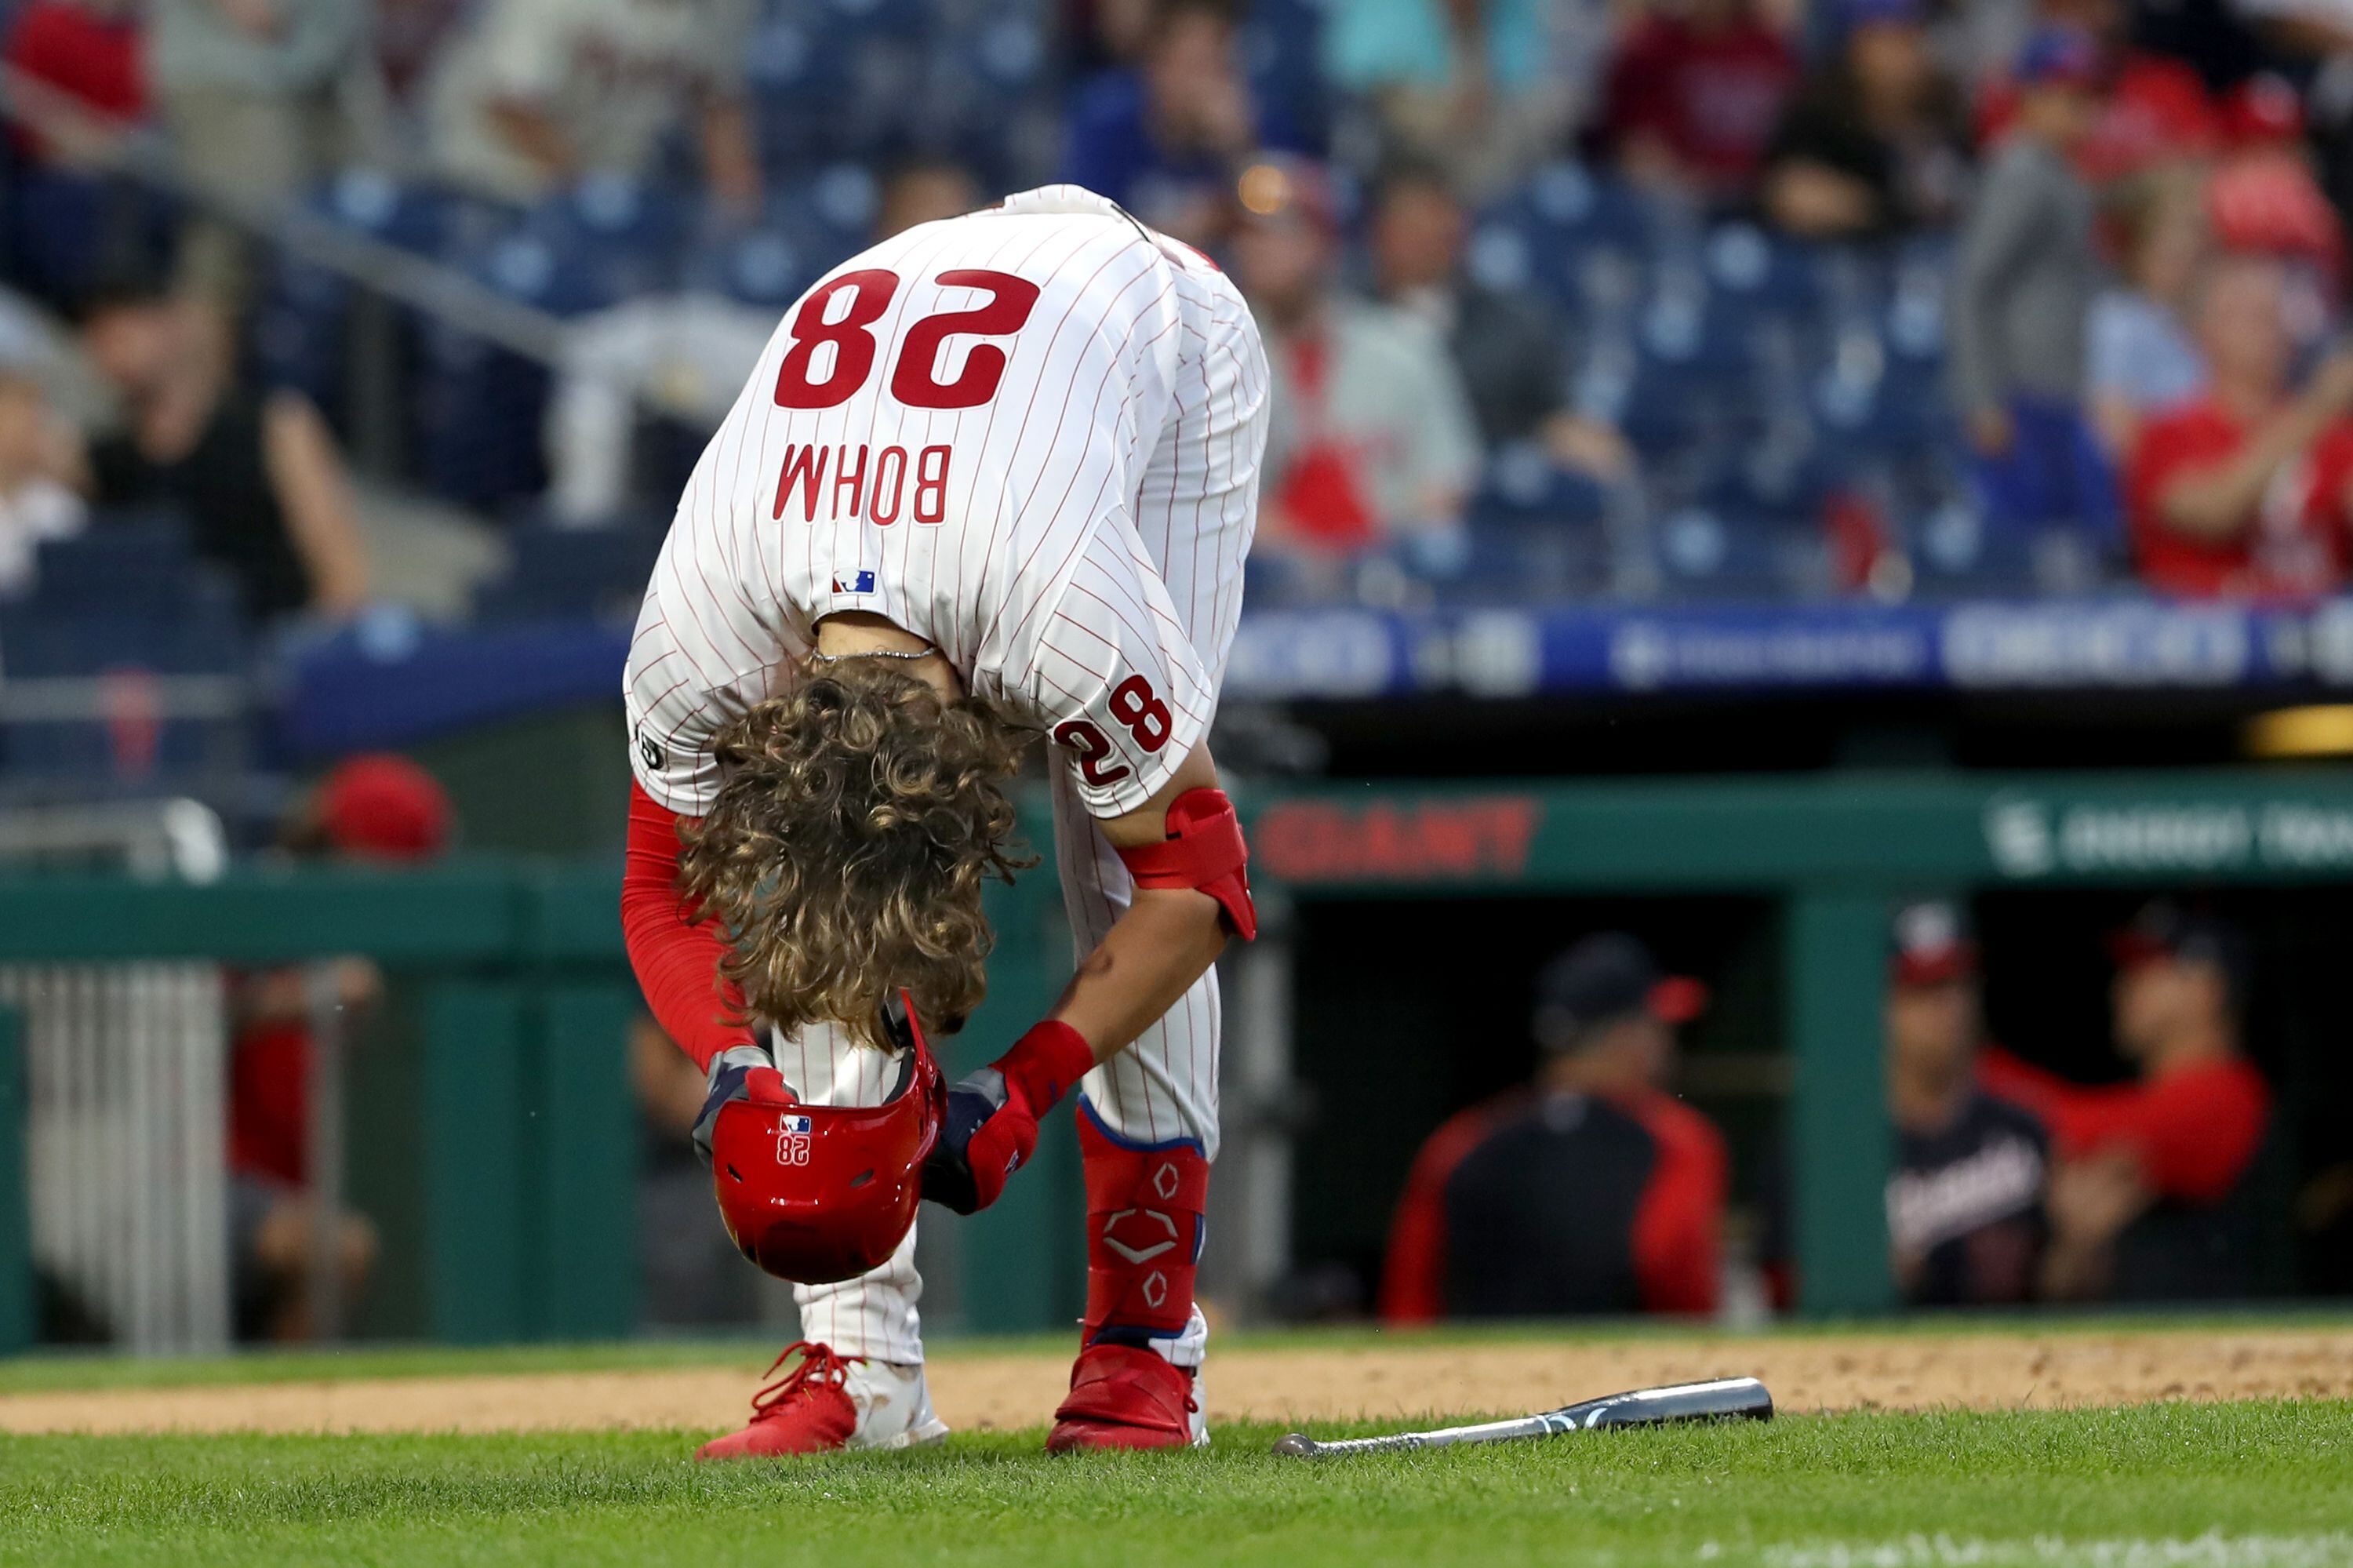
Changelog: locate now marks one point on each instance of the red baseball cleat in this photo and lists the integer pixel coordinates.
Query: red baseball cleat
(1122, 1397)
(828, 1402)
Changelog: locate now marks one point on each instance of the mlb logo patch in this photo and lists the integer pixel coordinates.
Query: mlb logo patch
(794, 1126)
(853, 582)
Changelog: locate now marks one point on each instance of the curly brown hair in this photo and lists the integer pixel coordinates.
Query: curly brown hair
(858, 819)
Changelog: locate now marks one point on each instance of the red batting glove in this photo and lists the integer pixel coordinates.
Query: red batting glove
(991, 1129)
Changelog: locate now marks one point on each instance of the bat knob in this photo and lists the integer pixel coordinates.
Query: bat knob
(1298, 1445)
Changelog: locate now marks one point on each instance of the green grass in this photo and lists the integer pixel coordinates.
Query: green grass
(2234, 1485)
(59, 1371)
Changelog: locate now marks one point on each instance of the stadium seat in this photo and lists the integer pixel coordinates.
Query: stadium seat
(1701, 551)
(605, 239)
(1767, 274)
(124, 601)
(566, 573)
(760, 266)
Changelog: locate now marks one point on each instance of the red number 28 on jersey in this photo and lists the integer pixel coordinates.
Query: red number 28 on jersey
(1138, 710)
(913, 380)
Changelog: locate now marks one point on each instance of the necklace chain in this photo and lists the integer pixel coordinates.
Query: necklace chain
(873, 653)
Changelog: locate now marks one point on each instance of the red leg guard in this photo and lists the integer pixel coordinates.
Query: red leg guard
(1144, 1229)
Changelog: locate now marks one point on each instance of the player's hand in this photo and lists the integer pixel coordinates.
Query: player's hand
(989, 1133)
(991, 1126)
(739, 1073)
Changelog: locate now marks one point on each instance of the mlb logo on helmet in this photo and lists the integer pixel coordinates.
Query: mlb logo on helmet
(853, 582)
(793, 1140)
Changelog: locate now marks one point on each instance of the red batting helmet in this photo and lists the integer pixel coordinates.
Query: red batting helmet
(820, 1194)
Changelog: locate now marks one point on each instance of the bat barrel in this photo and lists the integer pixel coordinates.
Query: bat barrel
(1720, 1399)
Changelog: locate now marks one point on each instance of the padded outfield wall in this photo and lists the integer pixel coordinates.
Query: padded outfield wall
(522, 1132)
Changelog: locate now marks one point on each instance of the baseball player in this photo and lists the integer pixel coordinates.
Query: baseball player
(992, 481)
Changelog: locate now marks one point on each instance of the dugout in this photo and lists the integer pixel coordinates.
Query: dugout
(1779, 891)
(515, 1120)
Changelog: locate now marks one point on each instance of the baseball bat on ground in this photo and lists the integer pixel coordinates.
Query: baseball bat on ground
(1723, 1399)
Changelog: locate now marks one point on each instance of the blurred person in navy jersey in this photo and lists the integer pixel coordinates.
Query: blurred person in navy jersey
(1373, 441)
(2156, 1196)
(371, 809)
(2023, 287)
(1166, 139)
(1510, 344)
(1965, 1225)
(2243, 491)
(1591, 1189)
(1694, 93)
(1874, 145)
(1965, 1217)
(256, 474)
(534, 95)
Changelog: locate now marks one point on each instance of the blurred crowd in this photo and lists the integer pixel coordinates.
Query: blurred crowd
(1579, 298)
(1593, 1189)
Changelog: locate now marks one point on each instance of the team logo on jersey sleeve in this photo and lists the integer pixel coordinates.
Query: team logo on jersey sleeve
(853, 582)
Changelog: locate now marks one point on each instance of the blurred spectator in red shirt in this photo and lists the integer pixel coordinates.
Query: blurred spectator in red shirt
(1693, 96)
(2243, 491)
(71, 218)
(87, 49)
(2156, 109)
(1590, 1190)
(2153, 1188)
(381, 809)
(1876, 144)
(2263, 198)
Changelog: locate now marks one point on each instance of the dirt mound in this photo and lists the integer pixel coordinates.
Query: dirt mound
(1303, 1382)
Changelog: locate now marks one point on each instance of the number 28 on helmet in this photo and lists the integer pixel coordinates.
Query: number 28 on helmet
(820, 1194)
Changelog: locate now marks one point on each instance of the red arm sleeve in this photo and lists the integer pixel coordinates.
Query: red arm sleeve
(2079, 1119)
(2196, 1130)
(1678, 1227)
(1413, 1275)
(675, 955)
(2199, 1129)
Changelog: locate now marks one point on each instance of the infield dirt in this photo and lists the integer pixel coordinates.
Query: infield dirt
(1303, 1382)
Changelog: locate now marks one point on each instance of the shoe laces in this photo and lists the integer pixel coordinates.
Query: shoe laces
(818, 1368)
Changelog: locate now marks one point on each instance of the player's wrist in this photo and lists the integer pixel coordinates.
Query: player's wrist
(743, 1055)
(1046, 1064)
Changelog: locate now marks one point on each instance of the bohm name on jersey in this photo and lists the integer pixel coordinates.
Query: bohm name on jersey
(878, 485)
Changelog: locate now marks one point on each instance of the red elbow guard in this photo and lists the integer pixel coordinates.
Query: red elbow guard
(1205, 851)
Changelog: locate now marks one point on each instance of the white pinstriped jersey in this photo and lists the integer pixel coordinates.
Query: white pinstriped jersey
(1031, 436)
